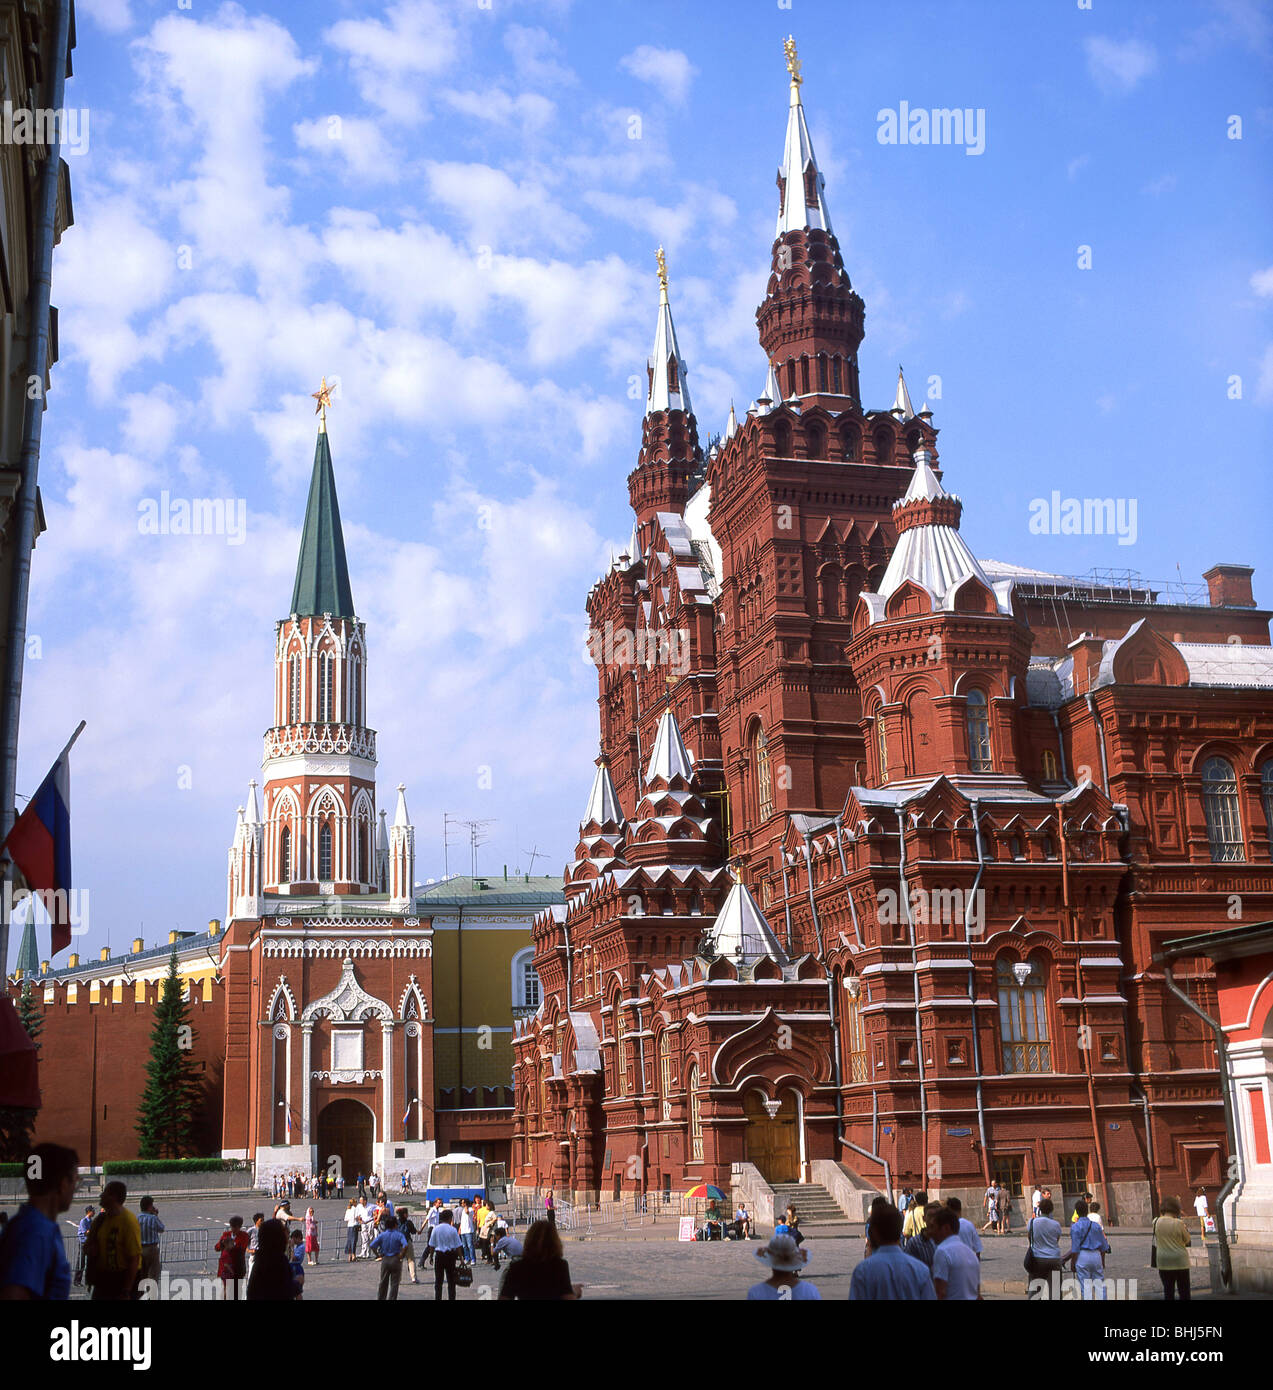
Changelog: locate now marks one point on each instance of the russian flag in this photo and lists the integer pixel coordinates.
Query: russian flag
(40, 845)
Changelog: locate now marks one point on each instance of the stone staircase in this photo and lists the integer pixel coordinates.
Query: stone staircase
(814, 1205)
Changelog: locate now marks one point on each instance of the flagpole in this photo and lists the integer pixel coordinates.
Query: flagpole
(6, 865)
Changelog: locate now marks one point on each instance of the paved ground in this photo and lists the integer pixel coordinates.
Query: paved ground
(651, 1263)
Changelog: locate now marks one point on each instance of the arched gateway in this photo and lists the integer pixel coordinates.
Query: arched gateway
(346, 1130)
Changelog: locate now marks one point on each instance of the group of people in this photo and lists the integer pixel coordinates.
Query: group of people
(329, 1185)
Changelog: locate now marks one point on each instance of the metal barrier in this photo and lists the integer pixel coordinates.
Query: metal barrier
(185, 1247)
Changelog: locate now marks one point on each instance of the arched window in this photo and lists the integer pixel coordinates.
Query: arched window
(696, 1115)
(1266, 796)
(829, 592)
(285, 854)
(854, 1033)
(881, 743)
(620, 1053)
(1220, 806)
(764, 783)
(1049, 765)
(665, 1073)
(325, 851)
(364, 852)
(978, 720)
(294, 689)
(1023, 1019)
(326, 693)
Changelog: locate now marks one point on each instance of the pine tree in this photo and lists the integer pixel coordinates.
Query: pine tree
(17, 1124)
(166, 1115)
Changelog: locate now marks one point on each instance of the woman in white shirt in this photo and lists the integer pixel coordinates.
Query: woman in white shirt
(466, 1230)
(351, 1232)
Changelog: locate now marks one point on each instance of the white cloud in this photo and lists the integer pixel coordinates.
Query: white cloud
(500, 212)
(389, 57)
(535, 55)
(1262, 283)
(668, 70)
(115, 16)
(528, 110)
(358, 143)
(1119, 65)
(1076, 166)
(1165, 183)
(1264, 384)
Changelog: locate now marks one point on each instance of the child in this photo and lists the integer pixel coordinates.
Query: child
(296, 1258)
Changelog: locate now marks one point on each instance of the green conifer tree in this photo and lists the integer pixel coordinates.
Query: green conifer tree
(166, 1115)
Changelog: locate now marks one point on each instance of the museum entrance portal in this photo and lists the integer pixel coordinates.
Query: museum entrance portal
(773, 1143)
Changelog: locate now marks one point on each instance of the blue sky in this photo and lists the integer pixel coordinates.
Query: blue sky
(469, 249)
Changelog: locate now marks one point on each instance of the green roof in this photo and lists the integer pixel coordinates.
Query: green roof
(516, 890)
(29, 952)
(322, 574)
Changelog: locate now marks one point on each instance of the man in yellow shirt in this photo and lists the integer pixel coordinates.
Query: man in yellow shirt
(914, 1223)
(114, 1247)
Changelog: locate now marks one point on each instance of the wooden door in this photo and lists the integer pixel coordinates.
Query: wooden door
(773, 1145)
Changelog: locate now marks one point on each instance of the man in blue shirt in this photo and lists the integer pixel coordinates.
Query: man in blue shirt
(151, 1229)
(33, 1260)
(389, 1245)
(81, 1234)
(888, 1273)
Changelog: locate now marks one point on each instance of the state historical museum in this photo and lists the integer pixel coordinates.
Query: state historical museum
(872, 881)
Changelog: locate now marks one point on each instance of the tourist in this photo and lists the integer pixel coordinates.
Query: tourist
(273, 1280)
(466, 1229)
(922, 1246)
(151, 1229)
(233, 1250)
(81, 1234)
(785, 1260)
(445, 1244)
(904, 1200)
(792, 1222)
(351, 1230)
(742, 1223)
(340, 1186)
(915, 1215)
(296, 1258)
(114, 1247)
(254, 1239)
(1005, 1209)
(967, 1231)
(33, 1261)
(409, 1232)
(406, 1180)
(1086, 1199)
(1088, 1248)
(311, 1237)
(889, 1273)
(486, 1235)
(550, 1207)
(1043, 1253)
(508, 1246)
(1171, 1248)
(992, 1207)
(956, 1269)
(431, 1219)
(542, 1273)
(1036, 1200)
(364, 1230)
(388, 1247)
(1200, 1206)
(1094, 1211)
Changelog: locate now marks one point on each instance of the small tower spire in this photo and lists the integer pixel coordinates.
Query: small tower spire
(902, 401)
(324, 398)
(798, 178)
(668, 388)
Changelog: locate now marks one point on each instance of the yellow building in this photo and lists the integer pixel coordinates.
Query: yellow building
(125, 976)
(482, 979)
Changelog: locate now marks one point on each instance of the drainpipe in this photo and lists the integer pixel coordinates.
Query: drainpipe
(1100, 733)
(972, 996)
(832, 1001)
(1233, 1187)
(786, 900)
(1060, 746)
(844, 869)
(636, 690)
(910, 921)
(23, 537)
(1091, 1092)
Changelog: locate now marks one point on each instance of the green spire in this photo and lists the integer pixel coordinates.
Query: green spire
(29, 951)
(322, 576)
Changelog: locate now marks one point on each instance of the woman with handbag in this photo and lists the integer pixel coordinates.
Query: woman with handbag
(1088, 1248)
(1170, 1254)
(1043, 1248)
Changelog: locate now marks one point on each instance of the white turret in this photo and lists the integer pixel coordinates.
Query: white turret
(401, 856)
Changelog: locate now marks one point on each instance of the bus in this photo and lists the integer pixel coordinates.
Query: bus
(456, 1175)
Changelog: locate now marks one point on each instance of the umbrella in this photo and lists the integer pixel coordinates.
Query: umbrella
(21, 1085)
(705, 1189)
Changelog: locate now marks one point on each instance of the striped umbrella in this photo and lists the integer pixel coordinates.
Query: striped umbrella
(705, 1189)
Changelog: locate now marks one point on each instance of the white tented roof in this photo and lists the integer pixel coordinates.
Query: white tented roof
(741, 931)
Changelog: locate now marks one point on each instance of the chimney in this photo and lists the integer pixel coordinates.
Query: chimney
(214, 927)
(1087, 660)
(73, 960)
(138, 945)
(1229, 586)
(173, 938)
(105, 953)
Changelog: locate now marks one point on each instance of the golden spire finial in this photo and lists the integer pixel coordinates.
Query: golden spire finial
(662, 261)
(793, 63)
(324, 398)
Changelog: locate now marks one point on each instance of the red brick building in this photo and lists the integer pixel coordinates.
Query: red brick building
(966, 802)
